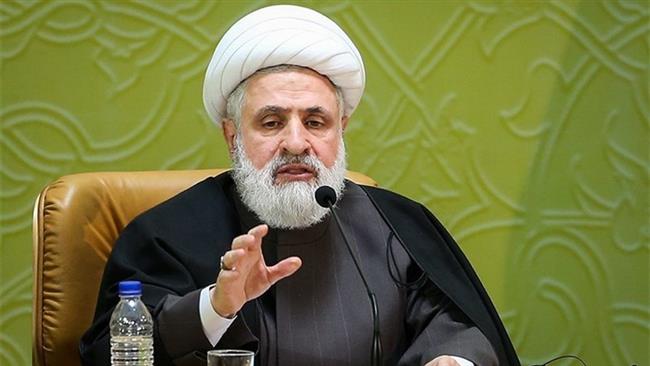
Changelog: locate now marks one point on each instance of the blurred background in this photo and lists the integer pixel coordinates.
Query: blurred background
(524, 126)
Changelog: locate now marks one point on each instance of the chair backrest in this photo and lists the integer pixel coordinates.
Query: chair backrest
(77, 219)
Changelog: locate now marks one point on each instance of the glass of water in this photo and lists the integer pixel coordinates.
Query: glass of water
(230, 357)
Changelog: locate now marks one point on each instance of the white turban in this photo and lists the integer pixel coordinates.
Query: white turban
(282, 34)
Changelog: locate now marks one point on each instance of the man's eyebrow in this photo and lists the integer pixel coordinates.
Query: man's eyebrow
(316, 110)
(269, 109)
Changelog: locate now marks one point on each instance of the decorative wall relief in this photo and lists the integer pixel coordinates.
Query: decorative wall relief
(523, 125)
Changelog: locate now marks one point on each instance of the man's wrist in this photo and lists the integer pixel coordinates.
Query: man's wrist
(223, 314)
(214, 325)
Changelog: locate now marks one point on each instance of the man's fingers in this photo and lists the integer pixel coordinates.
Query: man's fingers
(226, 277)
(259, 231)
(252, 240)
(231, 259)
(243, 242)
(284, 268)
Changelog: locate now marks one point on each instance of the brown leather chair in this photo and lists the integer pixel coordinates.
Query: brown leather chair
(76, 221)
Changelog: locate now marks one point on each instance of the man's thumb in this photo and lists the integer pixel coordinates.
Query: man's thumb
(284, 268)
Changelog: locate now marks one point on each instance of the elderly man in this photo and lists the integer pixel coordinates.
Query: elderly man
(282, 83)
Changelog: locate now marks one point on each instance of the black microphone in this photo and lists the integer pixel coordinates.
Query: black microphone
(326, 197)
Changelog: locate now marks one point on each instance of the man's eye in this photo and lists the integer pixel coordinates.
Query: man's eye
(314, 123)
(271, 124)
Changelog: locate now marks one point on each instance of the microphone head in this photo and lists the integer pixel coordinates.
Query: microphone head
(325, 196)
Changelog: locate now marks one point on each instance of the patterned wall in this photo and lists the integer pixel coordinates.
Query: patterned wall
(523, 125)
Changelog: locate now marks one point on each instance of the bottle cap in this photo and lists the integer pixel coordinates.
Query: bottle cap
(130, 288)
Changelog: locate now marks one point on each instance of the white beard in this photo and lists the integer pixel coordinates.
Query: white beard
(289, 205)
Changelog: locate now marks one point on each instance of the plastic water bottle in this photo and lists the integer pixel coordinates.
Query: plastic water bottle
(131, 328)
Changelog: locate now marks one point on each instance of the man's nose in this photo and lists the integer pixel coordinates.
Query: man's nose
(296, 139)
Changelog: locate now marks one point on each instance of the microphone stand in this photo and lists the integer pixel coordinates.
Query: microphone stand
(376, 351)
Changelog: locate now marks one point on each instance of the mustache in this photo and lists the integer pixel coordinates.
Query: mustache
(285, 159)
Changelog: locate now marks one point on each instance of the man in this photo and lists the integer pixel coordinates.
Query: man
(283, 82)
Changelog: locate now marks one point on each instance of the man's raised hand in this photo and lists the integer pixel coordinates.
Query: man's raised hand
(244, 275)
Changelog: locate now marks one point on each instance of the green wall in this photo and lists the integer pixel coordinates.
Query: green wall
(523, 125)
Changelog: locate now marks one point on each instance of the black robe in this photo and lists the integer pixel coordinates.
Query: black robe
(426, 240)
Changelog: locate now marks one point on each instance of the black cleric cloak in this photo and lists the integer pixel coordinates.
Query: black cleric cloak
(424, 238)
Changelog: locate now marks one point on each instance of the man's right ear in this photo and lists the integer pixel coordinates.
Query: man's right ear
(229, 132)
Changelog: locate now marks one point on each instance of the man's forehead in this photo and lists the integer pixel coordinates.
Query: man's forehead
(291, 84)
(285, 72)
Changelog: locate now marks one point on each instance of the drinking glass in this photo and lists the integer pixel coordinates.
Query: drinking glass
(230, 357)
